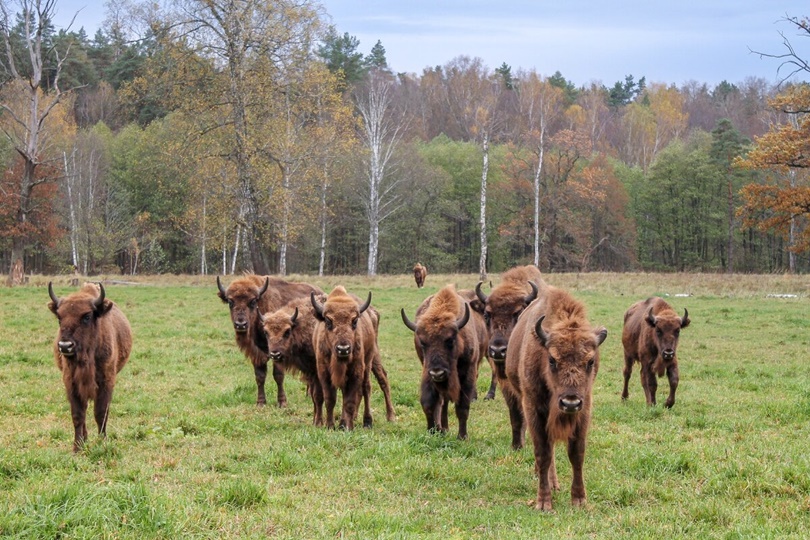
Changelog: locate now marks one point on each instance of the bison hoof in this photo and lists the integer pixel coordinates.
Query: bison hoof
(367, 422)
(282, 403)
(577, 501)
(669, 405)
(489, 396)
(543, 505)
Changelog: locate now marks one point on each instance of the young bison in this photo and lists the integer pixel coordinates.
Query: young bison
(650, 337)
(345, 341)
(248, 296)
(92, 345)
(551, 365)
(449, 343)
(419, 275)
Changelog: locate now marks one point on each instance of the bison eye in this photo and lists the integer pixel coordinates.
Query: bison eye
(86, 318)
(677, 332)
(329, 323)
(449, 343)
(230, 303)
(552, 363)
(658, 332)
(590, 364)
(287, 333)
(354, 323)
(252, 304)
(487, 317)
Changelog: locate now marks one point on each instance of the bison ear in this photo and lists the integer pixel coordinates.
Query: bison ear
(650, 318)
(601, 335)
(541, 334)
(685, 321)
(477, 306)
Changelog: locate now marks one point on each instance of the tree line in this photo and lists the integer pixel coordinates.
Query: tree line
(209, 137)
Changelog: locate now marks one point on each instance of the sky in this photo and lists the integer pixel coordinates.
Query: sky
(666, 41)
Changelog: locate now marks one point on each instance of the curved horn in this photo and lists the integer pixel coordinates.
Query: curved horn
(530, 298)
(221, 288)
(54, 298)
(294, 316)
(100, 300)
(407, 321)
(368, 303)
(481, 296)
(318, 307)
(264, 288)
(462, 321)
(538, 329)
(685, 320)
(262, 318)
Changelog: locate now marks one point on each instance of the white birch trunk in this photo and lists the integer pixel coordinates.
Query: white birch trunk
(482, 265)
(324, 216)
(236, 248)
(537, 176)
(285, 228)
(203, 266)
(74, 249)
(792, 231)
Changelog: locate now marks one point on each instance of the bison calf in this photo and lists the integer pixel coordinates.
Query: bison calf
(450, 344)
(92, 345)
(650, 337)
(551, 365)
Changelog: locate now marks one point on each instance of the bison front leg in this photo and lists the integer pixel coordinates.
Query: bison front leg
(462, 413)
(576, 454)
(316, 392)
(278, 377)
(628, 371)
(672, 375)
(260, 372)
(382, 379)
(649, 383)
(352, 392)
(367, 419)
(543, 453)
(516, 418)
(431, 405)
(329, 399)
(101, 407)
(78, 412)
(493, 383)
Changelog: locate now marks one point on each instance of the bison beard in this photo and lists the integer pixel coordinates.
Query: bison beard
(93, 343)
(551, 367)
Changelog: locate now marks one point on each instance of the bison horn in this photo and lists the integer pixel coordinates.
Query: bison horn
(650, 317)
(100, 300)
(222, 292)
(530, 298)
(54, 298)
(368, 303)
(481, 296)
(407, 321)
(538, 329)
(294, 316)
(318, 307)
(685, 321)
(464, 318)
(264, 287)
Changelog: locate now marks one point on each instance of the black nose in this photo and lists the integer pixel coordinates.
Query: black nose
(668, 355)
(240, 326)
(497, 352)
(275, 356)
(343, 350)
(571, 404)
(437, 375)
(66, 347)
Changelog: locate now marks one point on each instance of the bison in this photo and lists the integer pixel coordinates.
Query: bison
(345, 342)
(246, 297)
(650, 337)
(289, 333)
(551, 365)
(419, 275)
(450, 344)
(93, 343)
(518, 288)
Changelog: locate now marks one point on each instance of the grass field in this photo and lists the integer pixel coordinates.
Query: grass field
(189, 455)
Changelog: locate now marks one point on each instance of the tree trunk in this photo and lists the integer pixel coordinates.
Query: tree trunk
(730, 266)
(536, 186)
(482, 263)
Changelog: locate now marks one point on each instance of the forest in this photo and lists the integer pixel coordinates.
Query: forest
(217, 138)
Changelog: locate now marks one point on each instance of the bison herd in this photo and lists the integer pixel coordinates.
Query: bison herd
(541, 347)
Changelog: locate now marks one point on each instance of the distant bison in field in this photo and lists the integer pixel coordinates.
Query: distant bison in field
(346, 349)
(551, 365)
(518, 288)
(650, 337)
(419, 274)
(92, 345)
(248, 296)
(450, 343)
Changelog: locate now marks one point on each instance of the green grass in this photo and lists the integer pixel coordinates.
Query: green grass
(189, 455)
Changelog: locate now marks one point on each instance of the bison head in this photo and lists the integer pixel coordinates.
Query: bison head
(243, 299)
(340, 315)
(572, 363)
(278, 328)
(78, 316)
(666, 330)
(501, 311)
(436, 341)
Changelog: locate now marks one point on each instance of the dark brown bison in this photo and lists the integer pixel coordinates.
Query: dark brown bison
(650, 337)
(346, 348)
(518, 288)
(450, 344)
(93, 344)
(289, 332)
(551, 365)
(248, 296)
(419, 274)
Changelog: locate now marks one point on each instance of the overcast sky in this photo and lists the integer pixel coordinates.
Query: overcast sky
(586, 40)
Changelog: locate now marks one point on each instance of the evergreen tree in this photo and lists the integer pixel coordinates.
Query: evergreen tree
(340, 54)
(376, 59)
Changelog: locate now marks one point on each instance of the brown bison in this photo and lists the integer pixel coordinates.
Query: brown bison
(93, 344)
(289, 333)
(650, 337)
(248, 296)
(450, 344)
(551, 365)
(518, 288)
(419, 274)
(346, 348)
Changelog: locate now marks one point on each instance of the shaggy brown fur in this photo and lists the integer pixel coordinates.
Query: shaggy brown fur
(419, 274)
(551, 365)
(345, 341)
(449, 342)
(92, 345)
(650, 337)
(502, 308)
(248, 296)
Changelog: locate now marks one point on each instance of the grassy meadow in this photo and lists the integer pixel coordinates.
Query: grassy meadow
(189, 455)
